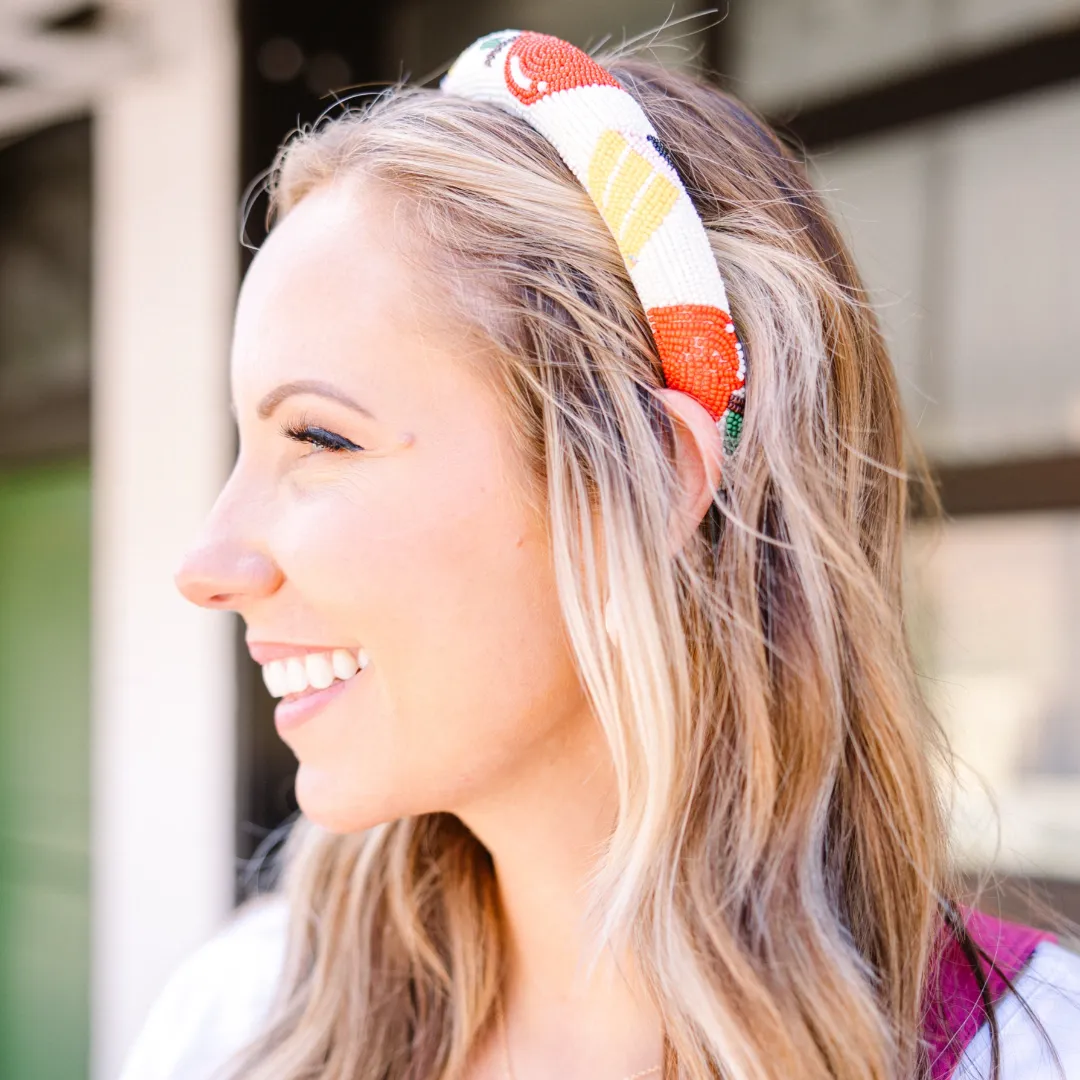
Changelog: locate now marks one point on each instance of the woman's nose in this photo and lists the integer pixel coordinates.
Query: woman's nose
(220, 576)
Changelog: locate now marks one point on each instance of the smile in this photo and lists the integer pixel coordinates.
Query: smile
(295, 676)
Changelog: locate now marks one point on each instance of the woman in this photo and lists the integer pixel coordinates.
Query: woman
(582, 599)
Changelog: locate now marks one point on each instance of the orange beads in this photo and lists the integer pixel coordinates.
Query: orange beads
(699, 352)
(538, 65)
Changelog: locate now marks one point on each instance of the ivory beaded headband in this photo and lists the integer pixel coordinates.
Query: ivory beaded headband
(608, 143)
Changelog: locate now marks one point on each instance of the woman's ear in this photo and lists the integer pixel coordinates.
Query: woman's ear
(699, 455)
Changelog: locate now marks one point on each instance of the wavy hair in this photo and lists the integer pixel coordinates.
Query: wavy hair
(779, 860)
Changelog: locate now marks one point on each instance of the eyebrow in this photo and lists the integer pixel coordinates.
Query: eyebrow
(276, 396)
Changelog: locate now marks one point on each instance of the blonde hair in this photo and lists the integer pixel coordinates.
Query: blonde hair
(779, 858)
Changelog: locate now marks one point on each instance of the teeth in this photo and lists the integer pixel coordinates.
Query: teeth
(274, 677)
(295, 675)
(345, 664)
(320, 672)
(316, 671)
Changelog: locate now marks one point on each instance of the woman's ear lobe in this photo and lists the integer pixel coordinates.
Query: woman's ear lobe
(699, 456)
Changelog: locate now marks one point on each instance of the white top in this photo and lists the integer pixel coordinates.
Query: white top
(216, 1000)
(1050, 987)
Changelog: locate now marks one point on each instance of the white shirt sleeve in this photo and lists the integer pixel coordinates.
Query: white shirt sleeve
(214, 1002)
(1050, 985)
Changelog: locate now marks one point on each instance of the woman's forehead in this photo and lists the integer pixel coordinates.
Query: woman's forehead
(332, 244)
(330, 296)
(327, 280)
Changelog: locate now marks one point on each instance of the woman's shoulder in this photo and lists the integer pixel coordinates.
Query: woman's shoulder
(215, 1000)
(1043, 1012)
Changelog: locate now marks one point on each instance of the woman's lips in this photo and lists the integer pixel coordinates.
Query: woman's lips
(305, 677)
(262, 652)
(293, 710)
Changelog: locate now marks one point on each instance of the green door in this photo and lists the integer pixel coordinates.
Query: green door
(44, 771)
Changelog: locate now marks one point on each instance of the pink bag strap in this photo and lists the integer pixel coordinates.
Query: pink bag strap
(955, 1009)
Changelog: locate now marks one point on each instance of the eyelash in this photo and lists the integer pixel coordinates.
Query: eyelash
(322, 440)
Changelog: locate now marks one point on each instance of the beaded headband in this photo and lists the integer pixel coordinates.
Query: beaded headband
(608, 143)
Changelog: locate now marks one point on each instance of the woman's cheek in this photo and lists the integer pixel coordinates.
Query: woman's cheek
(348, 552)
(319, 539)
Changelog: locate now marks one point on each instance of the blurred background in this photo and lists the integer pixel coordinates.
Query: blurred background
(139, 767)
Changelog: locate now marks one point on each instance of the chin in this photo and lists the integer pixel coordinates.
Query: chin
(341, 804)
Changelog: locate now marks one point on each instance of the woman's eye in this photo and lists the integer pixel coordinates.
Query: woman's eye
(318, 438)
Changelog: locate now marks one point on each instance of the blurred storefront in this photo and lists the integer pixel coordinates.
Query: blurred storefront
(947, 136)
(44, 596)
(138, 762)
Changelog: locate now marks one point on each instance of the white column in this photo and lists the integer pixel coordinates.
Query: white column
(163, 673)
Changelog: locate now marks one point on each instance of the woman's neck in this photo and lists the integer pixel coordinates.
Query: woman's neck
(564, 1016)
